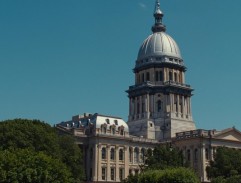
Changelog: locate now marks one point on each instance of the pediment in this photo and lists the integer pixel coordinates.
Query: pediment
(229, 134)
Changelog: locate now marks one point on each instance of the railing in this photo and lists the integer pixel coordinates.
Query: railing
(194, 133)
(159, 83)
(159, 60)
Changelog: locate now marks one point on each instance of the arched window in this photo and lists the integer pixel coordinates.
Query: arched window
(159, 106)
(112, 154)
(130, 155)
(136, 155)
(103, 153)
(121, 154)
(103, 129)
(113, 130)
(122, 132)
(188, 155)
(195, 155)
(142, 155)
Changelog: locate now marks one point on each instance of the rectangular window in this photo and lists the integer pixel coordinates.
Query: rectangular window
(121, 174)
(148, 76)
(156, 75)
(170, 76)
(112, 173)
(206, 154)
(103, 173)
(161, 76)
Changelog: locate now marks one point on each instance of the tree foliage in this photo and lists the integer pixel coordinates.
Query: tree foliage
(169, 175)
(37, 136)
(227, 163)
(164, 157)
(26, 166)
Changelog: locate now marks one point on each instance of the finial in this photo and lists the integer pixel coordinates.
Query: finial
(158, 27)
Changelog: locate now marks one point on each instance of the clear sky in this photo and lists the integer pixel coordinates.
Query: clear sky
(59, 58)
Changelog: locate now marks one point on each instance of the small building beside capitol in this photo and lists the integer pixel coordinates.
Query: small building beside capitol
(159, 112)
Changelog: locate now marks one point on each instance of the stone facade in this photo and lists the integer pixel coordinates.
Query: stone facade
(159, 112)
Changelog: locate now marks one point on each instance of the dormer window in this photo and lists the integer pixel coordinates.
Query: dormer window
(103, 129)
(107, 121)
(113, 130)
(116, 122)
(122, 132)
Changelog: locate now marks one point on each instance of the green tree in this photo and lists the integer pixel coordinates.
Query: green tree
(164, 157)
(226, 164)
(41, 137)
(169, 175)
(26, 166)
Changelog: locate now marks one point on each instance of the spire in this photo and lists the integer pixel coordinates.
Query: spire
(158, 26)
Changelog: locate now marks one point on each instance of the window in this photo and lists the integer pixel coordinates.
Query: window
(148, 76)
(103, 153)
(130, 155)
(195, 154)
(159, 106)
(156, 75)
(112, 173)
(103, 173)
(107, 121)
(136, 155)
(113, 130)
(112, 154)
(121, 132)
(103, 129)
(143, 107)
(188, 155)
(143, 77)
(206, 154)
(161, 76)
(170, 76)
(175, 77)
(116, 122)
(121, 174)
(121, 154)
(142, 155)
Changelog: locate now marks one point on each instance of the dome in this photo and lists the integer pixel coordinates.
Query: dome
(159, 44)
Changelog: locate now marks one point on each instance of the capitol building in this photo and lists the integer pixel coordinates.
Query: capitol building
(160, 111)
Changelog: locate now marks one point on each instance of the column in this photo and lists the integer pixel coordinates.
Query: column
(108, 162)
(135, 104)
(126, 160)
(202, 169)
(95, 162)
(148, 106)
(99, 159)
(117, 164)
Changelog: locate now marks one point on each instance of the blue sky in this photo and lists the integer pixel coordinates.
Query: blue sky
(60, 58)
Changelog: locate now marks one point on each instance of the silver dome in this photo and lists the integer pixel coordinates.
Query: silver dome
(159, 44)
